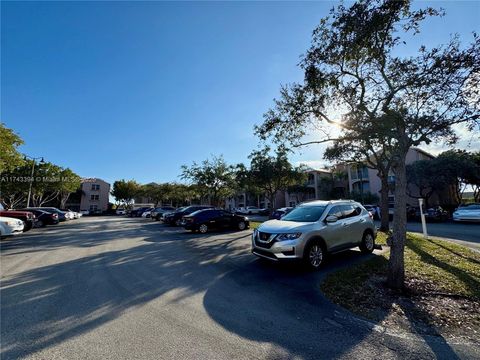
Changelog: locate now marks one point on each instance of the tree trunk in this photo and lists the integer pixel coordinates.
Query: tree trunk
(63, 200)
(271, 199)
(384, 217)
(396, 265)
(11, 202)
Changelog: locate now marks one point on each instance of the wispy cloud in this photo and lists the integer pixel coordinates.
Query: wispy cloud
(468, 140)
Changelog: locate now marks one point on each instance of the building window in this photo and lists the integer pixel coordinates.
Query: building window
(366, 186)
(95, 187)
(93, 207)
(311, 179)
(363, 186)
(94, 197)
(359, 172)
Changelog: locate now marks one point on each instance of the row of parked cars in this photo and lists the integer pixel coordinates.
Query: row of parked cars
(201, 218)
(464, 213)
(14, 222)
(307, 232)
(156, 213)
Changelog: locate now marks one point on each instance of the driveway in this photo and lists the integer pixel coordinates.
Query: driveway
(118, 288)
(467, 234)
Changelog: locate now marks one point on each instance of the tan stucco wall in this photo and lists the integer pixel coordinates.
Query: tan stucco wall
(103, 194)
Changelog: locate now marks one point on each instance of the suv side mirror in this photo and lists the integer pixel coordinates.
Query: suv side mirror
(331, 219)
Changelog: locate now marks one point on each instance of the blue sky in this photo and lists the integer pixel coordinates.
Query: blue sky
(136, 89)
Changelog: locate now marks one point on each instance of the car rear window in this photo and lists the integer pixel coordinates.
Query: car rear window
(336, 211)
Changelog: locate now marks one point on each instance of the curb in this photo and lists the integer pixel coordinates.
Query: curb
(345, 315)
(466, 244)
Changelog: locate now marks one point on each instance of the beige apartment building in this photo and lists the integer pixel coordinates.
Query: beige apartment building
(318, 184)
(315, 189)
(95, 194)
(359, 178)
(340, 182)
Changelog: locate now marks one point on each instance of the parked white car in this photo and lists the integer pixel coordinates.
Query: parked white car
(148, 213)
(120, 212)
(68, 214)
(469, 212)
(250, 210)
(161, 216)
(10, 226)
(84, 212)
(157, 213)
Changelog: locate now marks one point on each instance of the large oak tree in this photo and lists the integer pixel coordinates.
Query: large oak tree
(357, 80)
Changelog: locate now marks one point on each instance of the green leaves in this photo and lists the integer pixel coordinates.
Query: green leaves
(10, 158)
(124, 191)
(49, 182)
(353, 71)
(213, 178)
(273, 173)
(452, 169)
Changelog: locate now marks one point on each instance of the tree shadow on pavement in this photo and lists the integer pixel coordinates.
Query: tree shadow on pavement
(277, 304)
(284, 306)
(50, 304)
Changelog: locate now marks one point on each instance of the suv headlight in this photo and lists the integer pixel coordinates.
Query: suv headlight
(289, 236)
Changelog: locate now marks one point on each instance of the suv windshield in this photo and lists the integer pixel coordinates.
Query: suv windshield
(305, 214)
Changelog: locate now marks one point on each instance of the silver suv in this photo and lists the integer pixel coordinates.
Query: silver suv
(313, 229)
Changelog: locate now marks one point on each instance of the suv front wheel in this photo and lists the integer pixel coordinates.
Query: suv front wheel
(368, 243)
(314, 255)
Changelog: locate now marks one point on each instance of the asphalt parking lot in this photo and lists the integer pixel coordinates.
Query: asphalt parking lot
(466, 234)
(463, 232)
(119, 288)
